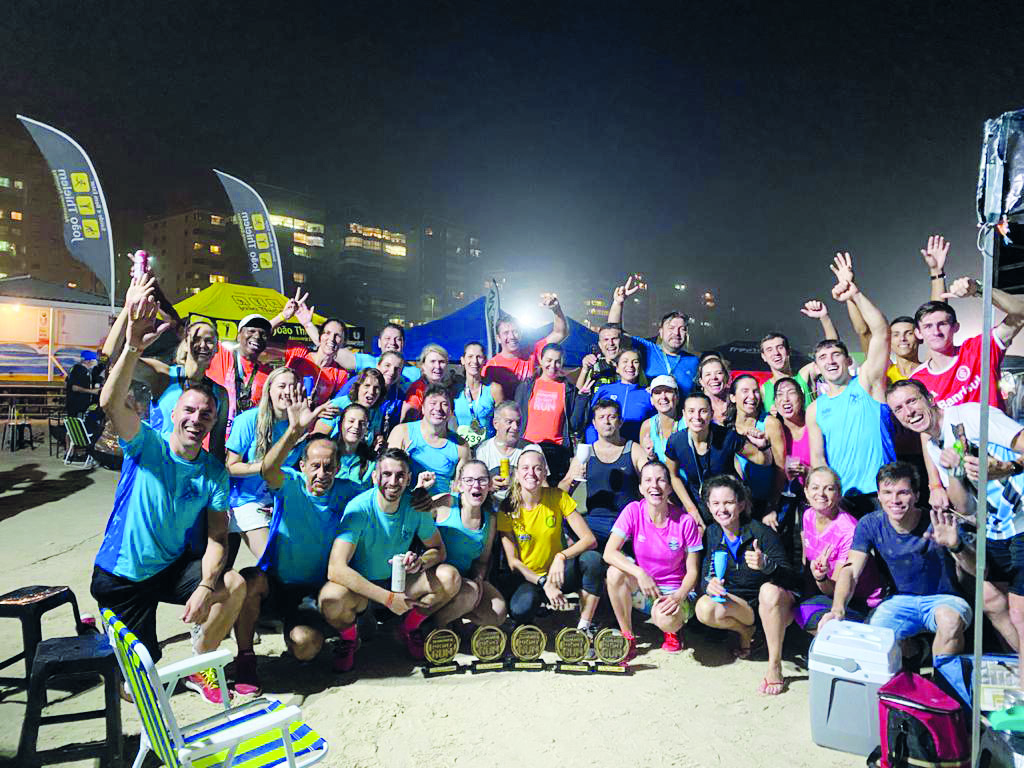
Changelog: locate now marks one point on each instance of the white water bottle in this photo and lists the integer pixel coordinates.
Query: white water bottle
(398, 573)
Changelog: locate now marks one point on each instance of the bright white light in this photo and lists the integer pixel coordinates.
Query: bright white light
(529, 316)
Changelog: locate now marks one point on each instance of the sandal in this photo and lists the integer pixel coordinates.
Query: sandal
(769, 688)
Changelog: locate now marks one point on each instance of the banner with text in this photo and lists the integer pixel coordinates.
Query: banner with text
(257, 232)
(86, 220)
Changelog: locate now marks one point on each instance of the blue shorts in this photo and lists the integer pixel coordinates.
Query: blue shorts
(909, 615)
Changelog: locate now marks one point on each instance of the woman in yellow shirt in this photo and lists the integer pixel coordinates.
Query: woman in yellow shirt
(543, 568)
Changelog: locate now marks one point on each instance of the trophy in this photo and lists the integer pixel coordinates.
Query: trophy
(488, 645)
(572, 645)
(528, 643)
(439, 649)
(611, 648)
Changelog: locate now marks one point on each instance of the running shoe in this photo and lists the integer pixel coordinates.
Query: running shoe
(206, 685)
(631, 654)
(413, 639)
(671, 643)
(246, 675)
(345, 650)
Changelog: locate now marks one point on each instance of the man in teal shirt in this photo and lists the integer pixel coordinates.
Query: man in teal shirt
(378, 525)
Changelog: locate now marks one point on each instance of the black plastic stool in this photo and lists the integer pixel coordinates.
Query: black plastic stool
(29, 604)
(66, 656)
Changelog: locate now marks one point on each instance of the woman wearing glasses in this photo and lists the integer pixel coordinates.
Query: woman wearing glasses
(466, 522)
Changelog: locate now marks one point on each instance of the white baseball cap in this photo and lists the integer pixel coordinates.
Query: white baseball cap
(663, 380)
(255, 321)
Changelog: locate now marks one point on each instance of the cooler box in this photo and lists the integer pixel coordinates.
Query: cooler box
(848, 663)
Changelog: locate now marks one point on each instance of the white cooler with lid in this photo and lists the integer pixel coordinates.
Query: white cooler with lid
(848, 663)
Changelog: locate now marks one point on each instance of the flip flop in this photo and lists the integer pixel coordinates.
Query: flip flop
(769, 688)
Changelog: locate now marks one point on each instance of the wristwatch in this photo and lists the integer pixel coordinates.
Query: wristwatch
(1017, 466)
(542, 581)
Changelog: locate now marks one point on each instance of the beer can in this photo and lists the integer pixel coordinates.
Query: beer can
(506, 467)
(398, 573)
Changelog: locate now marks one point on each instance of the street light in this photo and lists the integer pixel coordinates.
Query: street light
(680, 286)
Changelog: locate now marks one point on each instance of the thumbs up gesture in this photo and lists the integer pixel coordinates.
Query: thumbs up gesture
(755, 557)
(819, 566)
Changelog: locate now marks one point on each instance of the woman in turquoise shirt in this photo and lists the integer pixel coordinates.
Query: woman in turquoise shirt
(466, 523)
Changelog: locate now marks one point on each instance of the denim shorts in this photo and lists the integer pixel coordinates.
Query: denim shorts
(909, 615)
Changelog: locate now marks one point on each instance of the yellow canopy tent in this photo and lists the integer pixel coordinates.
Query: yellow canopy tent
(227, 303)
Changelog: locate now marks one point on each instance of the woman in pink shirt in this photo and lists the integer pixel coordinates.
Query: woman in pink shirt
(666, 546)
(827, 536)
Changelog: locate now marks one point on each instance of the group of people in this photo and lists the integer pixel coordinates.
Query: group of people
(367, 486)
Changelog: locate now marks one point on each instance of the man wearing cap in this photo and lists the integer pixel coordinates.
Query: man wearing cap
(666, 355)
(82, 388)
(239, 370)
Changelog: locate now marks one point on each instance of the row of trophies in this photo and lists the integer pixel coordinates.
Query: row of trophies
(526, 645)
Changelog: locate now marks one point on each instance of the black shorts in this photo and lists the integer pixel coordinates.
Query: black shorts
(135, 602)
(1005, 558)
(291, 602)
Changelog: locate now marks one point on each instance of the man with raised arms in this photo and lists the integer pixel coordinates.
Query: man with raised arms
(513, 364)
(847, 430)
(378, 525)
(169, 487)
(291, 576)
(667, 355)
(775, 351)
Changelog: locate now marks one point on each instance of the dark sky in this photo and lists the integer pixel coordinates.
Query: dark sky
(734, 146)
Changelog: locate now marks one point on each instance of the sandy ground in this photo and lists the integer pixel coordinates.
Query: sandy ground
(697, 708)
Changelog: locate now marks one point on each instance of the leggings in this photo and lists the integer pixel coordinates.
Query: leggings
(524, 599)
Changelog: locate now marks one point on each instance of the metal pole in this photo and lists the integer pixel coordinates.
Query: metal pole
(989, 252)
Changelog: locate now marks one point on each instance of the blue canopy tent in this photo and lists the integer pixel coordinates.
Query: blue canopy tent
(454, 331)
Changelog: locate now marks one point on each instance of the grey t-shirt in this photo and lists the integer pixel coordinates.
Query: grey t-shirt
(489, 454)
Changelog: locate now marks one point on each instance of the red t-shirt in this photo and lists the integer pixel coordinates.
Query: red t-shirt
(509, 371)
(328, 380)
(547, 409)
(961, 381)
(222, 370)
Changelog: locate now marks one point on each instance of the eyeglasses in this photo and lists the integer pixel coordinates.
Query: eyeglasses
(478, 481)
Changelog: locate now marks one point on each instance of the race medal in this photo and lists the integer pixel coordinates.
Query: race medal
(571, 645)
(611, 648)
(528, 643)
(488, 645)
(439, 649)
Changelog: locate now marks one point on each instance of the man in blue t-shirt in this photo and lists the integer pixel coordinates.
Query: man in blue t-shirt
(916, 552)
(390, 339)
(169, 488)
(291, 576)
(667, 355)
(847, 425)
(378, 525)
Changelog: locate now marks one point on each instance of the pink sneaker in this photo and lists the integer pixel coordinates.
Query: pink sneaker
(632, 648)
(671, 643)
(413, 638)
(206, 685)
(247, 676)
(345, 650)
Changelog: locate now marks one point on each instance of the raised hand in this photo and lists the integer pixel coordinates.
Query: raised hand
(843, 292)
(425, 481)
(143, 327)
(633, 284)
(303, 313)
(757, 438)
(755, 557)
(935, 254)
(549, 301)
(301, 417)
(842, 268)
(819, 565)
(944, 531)
(291, 306)
(814, 308)
(962, 287)
(140, 288)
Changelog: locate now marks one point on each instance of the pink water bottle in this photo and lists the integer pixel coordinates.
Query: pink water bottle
(140, 264)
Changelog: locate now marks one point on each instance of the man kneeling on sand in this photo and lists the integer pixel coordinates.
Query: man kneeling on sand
(379, 525)
(291, 577)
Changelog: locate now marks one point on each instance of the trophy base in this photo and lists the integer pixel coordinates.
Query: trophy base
(612, 669)
(479, 667)
(528, 666)
(573, 668)
(440, 670)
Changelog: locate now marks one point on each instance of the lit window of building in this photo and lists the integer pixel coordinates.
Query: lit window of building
(194, 291)
(300, 250)
(299, 277)
(214, 219)
(1, 214)
(72, 285)
(282, 221)
(394, 250)
(19, 184)
(218, 279)
(5, 182)
(214, 249)
(4, 245)
(428, 232)
(197, 246)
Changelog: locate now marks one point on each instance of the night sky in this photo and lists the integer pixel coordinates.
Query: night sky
(731, 146)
